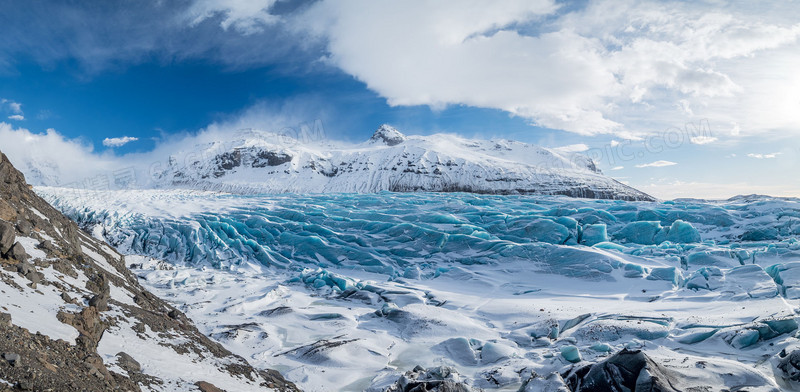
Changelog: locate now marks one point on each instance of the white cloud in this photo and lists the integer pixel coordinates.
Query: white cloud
(459, 53)
(235, 34)
(11, 106)
(118, 141)
(51, 159)
(17, 117)
(686, 107)
(764, 156)
(671, 189)
(612, 67)
(572, 148)
(617, 168)
(622, 67)
(657, 164)
(246, 16)
(15, 107)
(703, 139)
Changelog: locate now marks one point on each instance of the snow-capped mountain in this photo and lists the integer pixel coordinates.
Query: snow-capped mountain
(257, 161)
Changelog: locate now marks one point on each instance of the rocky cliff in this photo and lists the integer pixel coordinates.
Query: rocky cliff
(73, 318)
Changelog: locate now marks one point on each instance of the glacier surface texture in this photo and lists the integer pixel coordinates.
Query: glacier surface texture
(506, 292)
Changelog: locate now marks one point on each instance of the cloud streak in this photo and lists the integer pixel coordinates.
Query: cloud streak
(764, 156)
(237, 35)
(671, 189)
(118, 141)
(703, 139)
(580, 147)
(657, 164)
(247, 17)
(13, 107)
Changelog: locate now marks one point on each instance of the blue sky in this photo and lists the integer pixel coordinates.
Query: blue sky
(147, 100)
(615, 79)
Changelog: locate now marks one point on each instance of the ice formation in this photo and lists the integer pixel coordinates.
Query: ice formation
(510, 292)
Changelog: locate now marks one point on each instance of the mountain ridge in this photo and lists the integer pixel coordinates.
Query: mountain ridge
(391, 161)
(252, 161)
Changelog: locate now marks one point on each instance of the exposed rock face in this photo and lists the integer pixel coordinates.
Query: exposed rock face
(271, 158)
(128, 363)
(438, 379)
(207, 387)
(100, 300)
(667, 371)
(7, 236)
(46, 259)
(551, 383)
(627, 370)
(388, 135)
(788, 369)
(17, 252)
(5, 320)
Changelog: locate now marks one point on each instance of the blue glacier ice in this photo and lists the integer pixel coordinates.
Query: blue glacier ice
(594, 234)
(424, 235)
(639, 232)
(682, 232)
(669, 274)
(571, 353)
(787, 276)
(705, 278)
(484, 282)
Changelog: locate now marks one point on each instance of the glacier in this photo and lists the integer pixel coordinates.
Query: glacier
(389, 233)
(508, 291)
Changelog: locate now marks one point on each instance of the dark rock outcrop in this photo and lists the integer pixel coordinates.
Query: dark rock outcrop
(17, 253)
(127, 362)
(438, 379)
(788, 368)
(627, 370)
(388, 135)
(207, 387)
(7, 237)
(271, 158)
(5, 320)
(100, 300)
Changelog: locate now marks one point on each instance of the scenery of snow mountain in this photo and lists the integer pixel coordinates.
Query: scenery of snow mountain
(399, 196)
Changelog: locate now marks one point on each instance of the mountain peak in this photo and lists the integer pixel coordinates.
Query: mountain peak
(389, 135)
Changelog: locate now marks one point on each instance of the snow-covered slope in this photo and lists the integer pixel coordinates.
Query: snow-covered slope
(260, 162)
(348, 292)
(74, 318)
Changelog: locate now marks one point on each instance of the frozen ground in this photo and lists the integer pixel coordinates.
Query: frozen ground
(346, 292)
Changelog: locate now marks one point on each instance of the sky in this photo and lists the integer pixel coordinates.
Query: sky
(678, 99)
